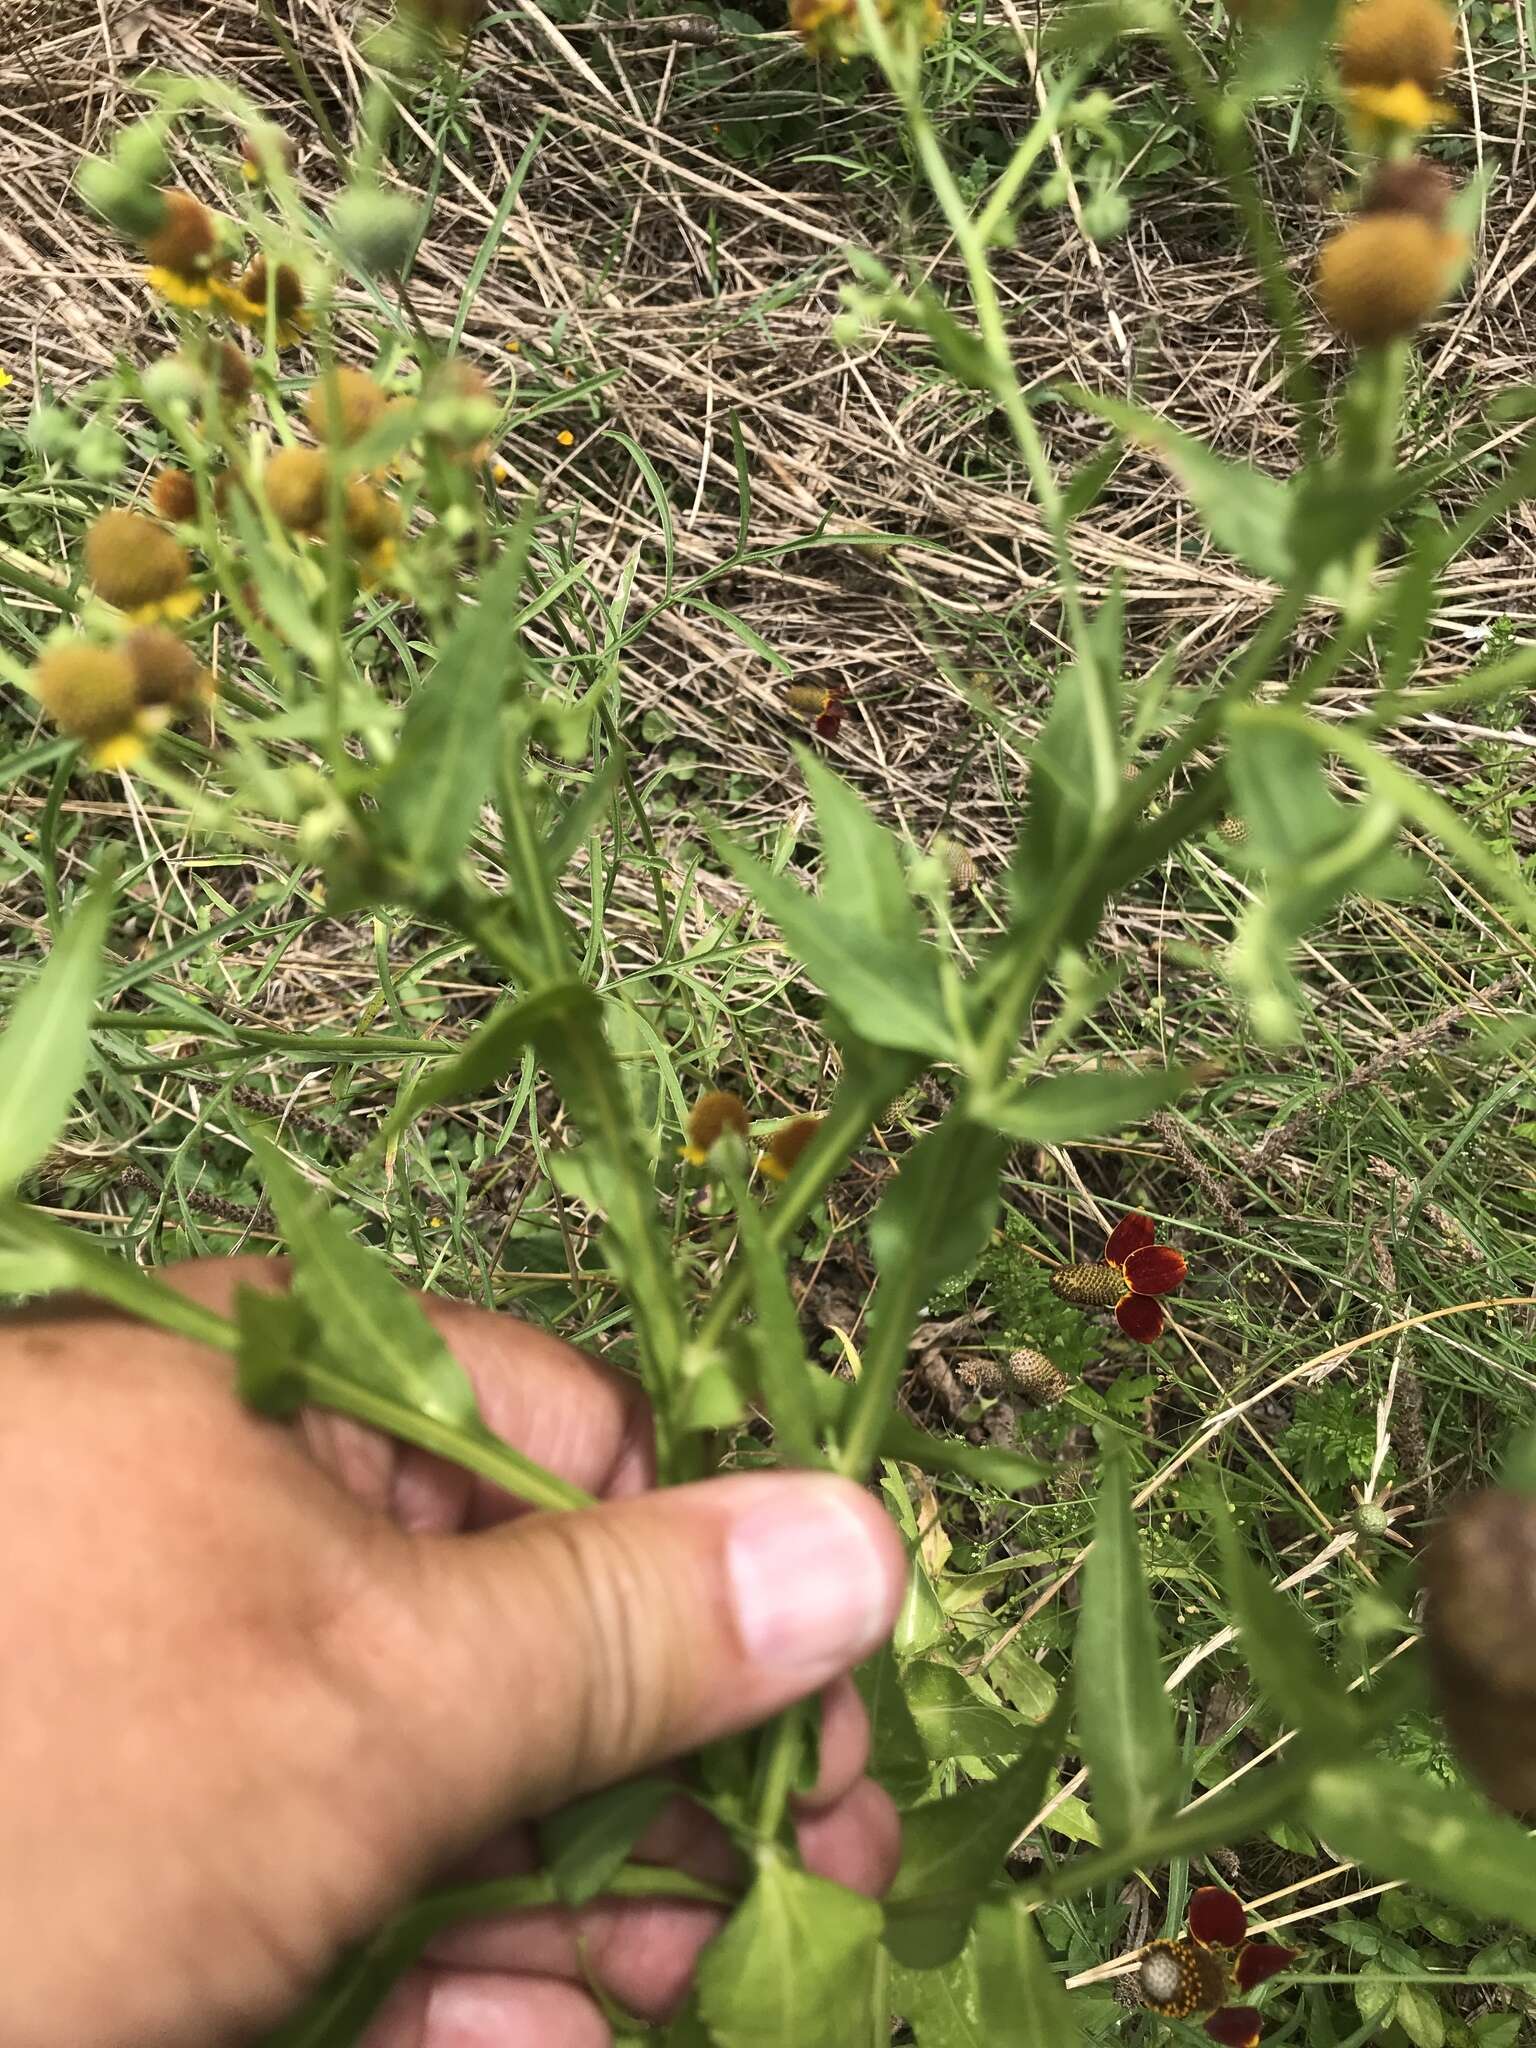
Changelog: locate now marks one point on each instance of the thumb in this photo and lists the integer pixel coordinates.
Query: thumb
(564, 1652)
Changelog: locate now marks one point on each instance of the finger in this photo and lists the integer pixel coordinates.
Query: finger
(566, 1411)
(564, 1652)
(643, 1952)
(844, 1748)
(461, 2009)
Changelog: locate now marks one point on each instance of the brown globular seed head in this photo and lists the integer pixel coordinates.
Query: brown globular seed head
(89, 692)
(297, 482)
(165, 670)
(1479, 1571)
(1413, 186)
(174, 495)
(786, 1144)
(186, 238)
(286, 287)
(713, 1116)
(370, 516)
(1380, 278)
(1387, 42)
(1095, 1285)
(133, 561)
(1037, 1378)
(344, 405)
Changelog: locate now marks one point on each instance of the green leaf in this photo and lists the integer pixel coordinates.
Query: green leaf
(1020, 1997)
(953, 1849)
(936, 1217)
(1281, 793)
(1284, 48)
(46, 1046)
(486, 1056)
(897, 1756)
(1125, 1721)
(58, 1257)
(369, 1323)
(990, 1465)
(430, 796)
(1441, 1838)
(1086, 486)
(1419, 2016)
(887, 988)
(584, 1843)
(864, 875)
(370, 1350)
(1280, 1649)
(941, 2005)
(794, 1967)
(1069, 1107)
(778, 1343)
(956, 1720)
(276, 1331)
(1246, 513)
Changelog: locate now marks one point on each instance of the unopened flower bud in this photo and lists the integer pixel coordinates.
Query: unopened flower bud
(134, 206)
(174, 495)
(100, 453)
(140, 151)
(52, 431)
(377, 230)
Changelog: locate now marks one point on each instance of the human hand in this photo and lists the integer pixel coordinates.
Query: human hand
(264, 1681)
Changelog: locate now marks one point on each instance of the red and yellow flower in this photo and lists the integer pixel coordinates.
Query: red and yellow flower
(785, 1145)
(1393, 59)
(262, 284)
(1134, 1270)
(717, 1115)
(822, 706)
(1198, 1976)
(183, 252)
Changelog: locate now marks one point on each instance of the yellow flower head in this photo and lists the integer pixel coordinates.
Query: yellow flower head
(135, 564)
(90, 694)
(372, 523)
(565, 438)
(717, 1115)
(297, 482)
(832, 28)
(174, 495)
(165, 670)
(1393, 58)
(344, 406)
(785, 1146)
(1380, 278)
(246, 300)
(183, 251)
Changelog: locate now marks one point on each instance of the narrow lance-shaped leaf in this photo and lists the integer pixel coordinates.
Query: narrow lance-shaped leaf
(484, 1058)
(888, 988)
(864, 877)
(1068, 1107)
(1438, 1838)
(778, 1343)
(46, 1046)
(430, 797)
(371, 1350)
(1021, 2000)
(1125, 1722)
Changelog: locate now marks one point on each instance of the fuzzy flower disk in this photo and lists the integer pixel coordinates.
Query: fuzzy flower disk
(1380, 278)
(297, 482)
(1385, 43)
(174, 495)
(165, 670)
(784, 1147)
(89, 692)
(247, 300)
(181, 251)
(135, 564)
(344, 405)
(715, 1116)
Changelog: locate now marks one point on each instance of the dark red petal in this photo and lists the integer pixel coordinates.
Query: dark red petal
(1140, 1317)
(1129, 1235)
(1216, 1917)
(1261, 1959)
(830, 722)
(1156, 1269)
(1236, 2026)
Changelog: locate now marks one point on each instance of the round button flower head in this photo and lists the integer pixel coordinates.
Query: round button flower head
(174, 495)
(822, 706)
(165, 670)
(297, 484)
(717, 1115)
(372, 523)
(1381, 277)
(183, 252)
(135, 564)
(1393, 58)
(1133, 1271)
(1199, 1975)
(91, 695)
(247, 300)
(344, 405)
(779, 1156)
